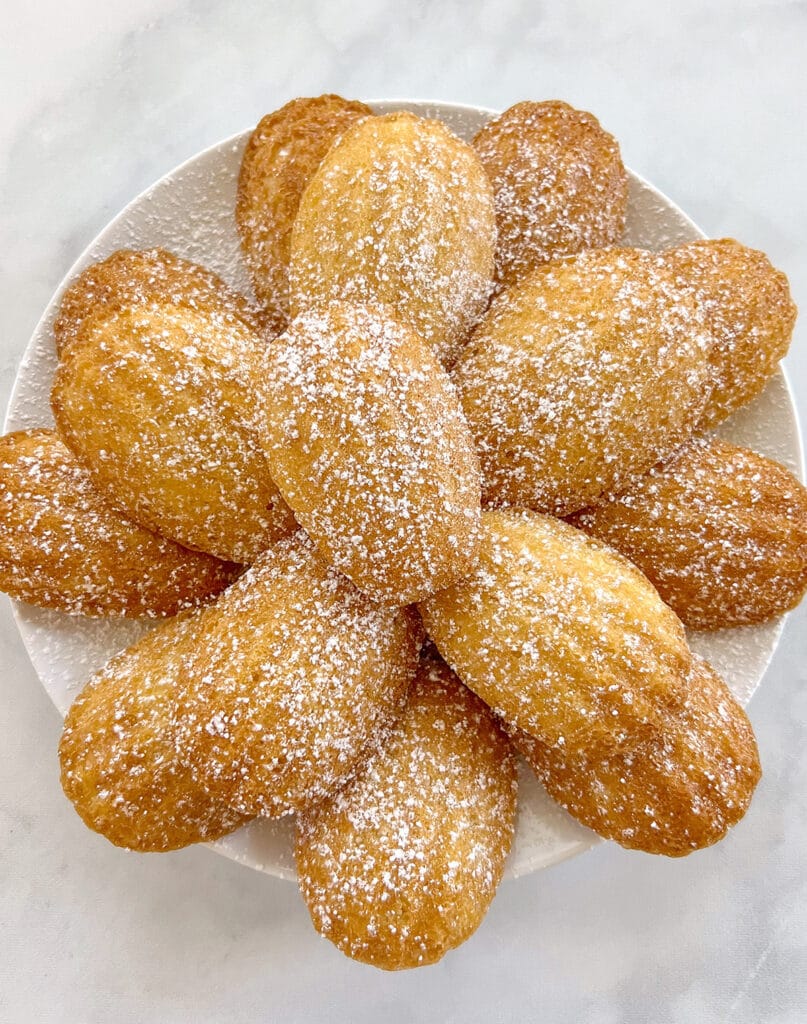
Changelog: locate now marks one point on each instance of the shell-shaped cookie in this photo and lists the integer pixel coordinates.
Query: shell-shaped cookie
(401, 865)
(134, 277)
(679, 789)
(559, 182)
(62, 545)
(719, 530)
(582, 376)
(281, 157)
(296, 676)
(368, 445)
(400, 212)
(159, 404)
(749, 311)
(561, 635)
(117, 752)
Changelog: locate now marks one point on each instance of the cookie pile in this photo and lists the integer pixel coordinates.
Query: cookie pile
(445, 492)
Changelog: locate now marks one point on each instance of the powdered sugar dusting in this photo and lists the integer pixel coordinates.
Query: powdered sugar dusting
(582, 376)
(368, 445)
(630, 731)
(263, 701)
(401, 865)
(296, 674)
(63, 546)
(400, 212)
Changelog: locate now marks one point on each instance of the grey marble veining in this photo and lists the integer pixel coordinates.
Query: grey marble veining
(100, 100)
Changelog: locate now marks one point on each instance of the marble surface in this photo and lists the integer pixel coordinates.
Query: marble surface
(101, 99)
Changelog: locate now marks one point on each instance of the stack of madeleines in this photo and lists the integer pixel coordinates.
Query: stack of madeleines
(446, 491)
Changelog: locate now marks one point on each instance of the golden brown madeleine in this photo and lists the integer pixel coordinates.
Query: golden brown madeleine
(402, 864)
(400, 212)
(134, 277)
(720, 531)
(561, 635)
(296, 676)
(368, 445)
(559, 182)
(681, 788)
(582, 376)
(749, 311)
(117, 752)
(281, 157)
(159, 404)
(62, 545)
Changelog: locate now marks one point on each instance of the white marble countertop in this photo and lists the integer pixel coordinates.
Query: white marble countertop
(99, 100)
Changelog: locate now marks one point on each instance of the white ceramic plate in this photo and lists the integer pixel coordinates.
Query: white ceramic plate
(190, 211)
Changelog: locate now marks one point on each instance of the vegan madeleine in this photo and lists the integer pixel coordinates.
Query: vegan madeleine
(720, 531)
(581, 377)
(280, 159)
(749, 311)
(401, 865)
(296, 676)
(159, 404)
(559, 182)
(399, 212)
(64, 546)
(561, 635)
(117, 752)
(368, 445)
(680, 788)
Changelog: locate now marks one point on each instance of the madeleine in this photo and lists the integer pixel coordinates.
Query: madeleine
(294, 679)
(367, 443)
(748, 308)
(402, 864)
(62, 545)
(159, 404)
(559, 182)
(581, 377)
(720, 531)
(400, 212)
